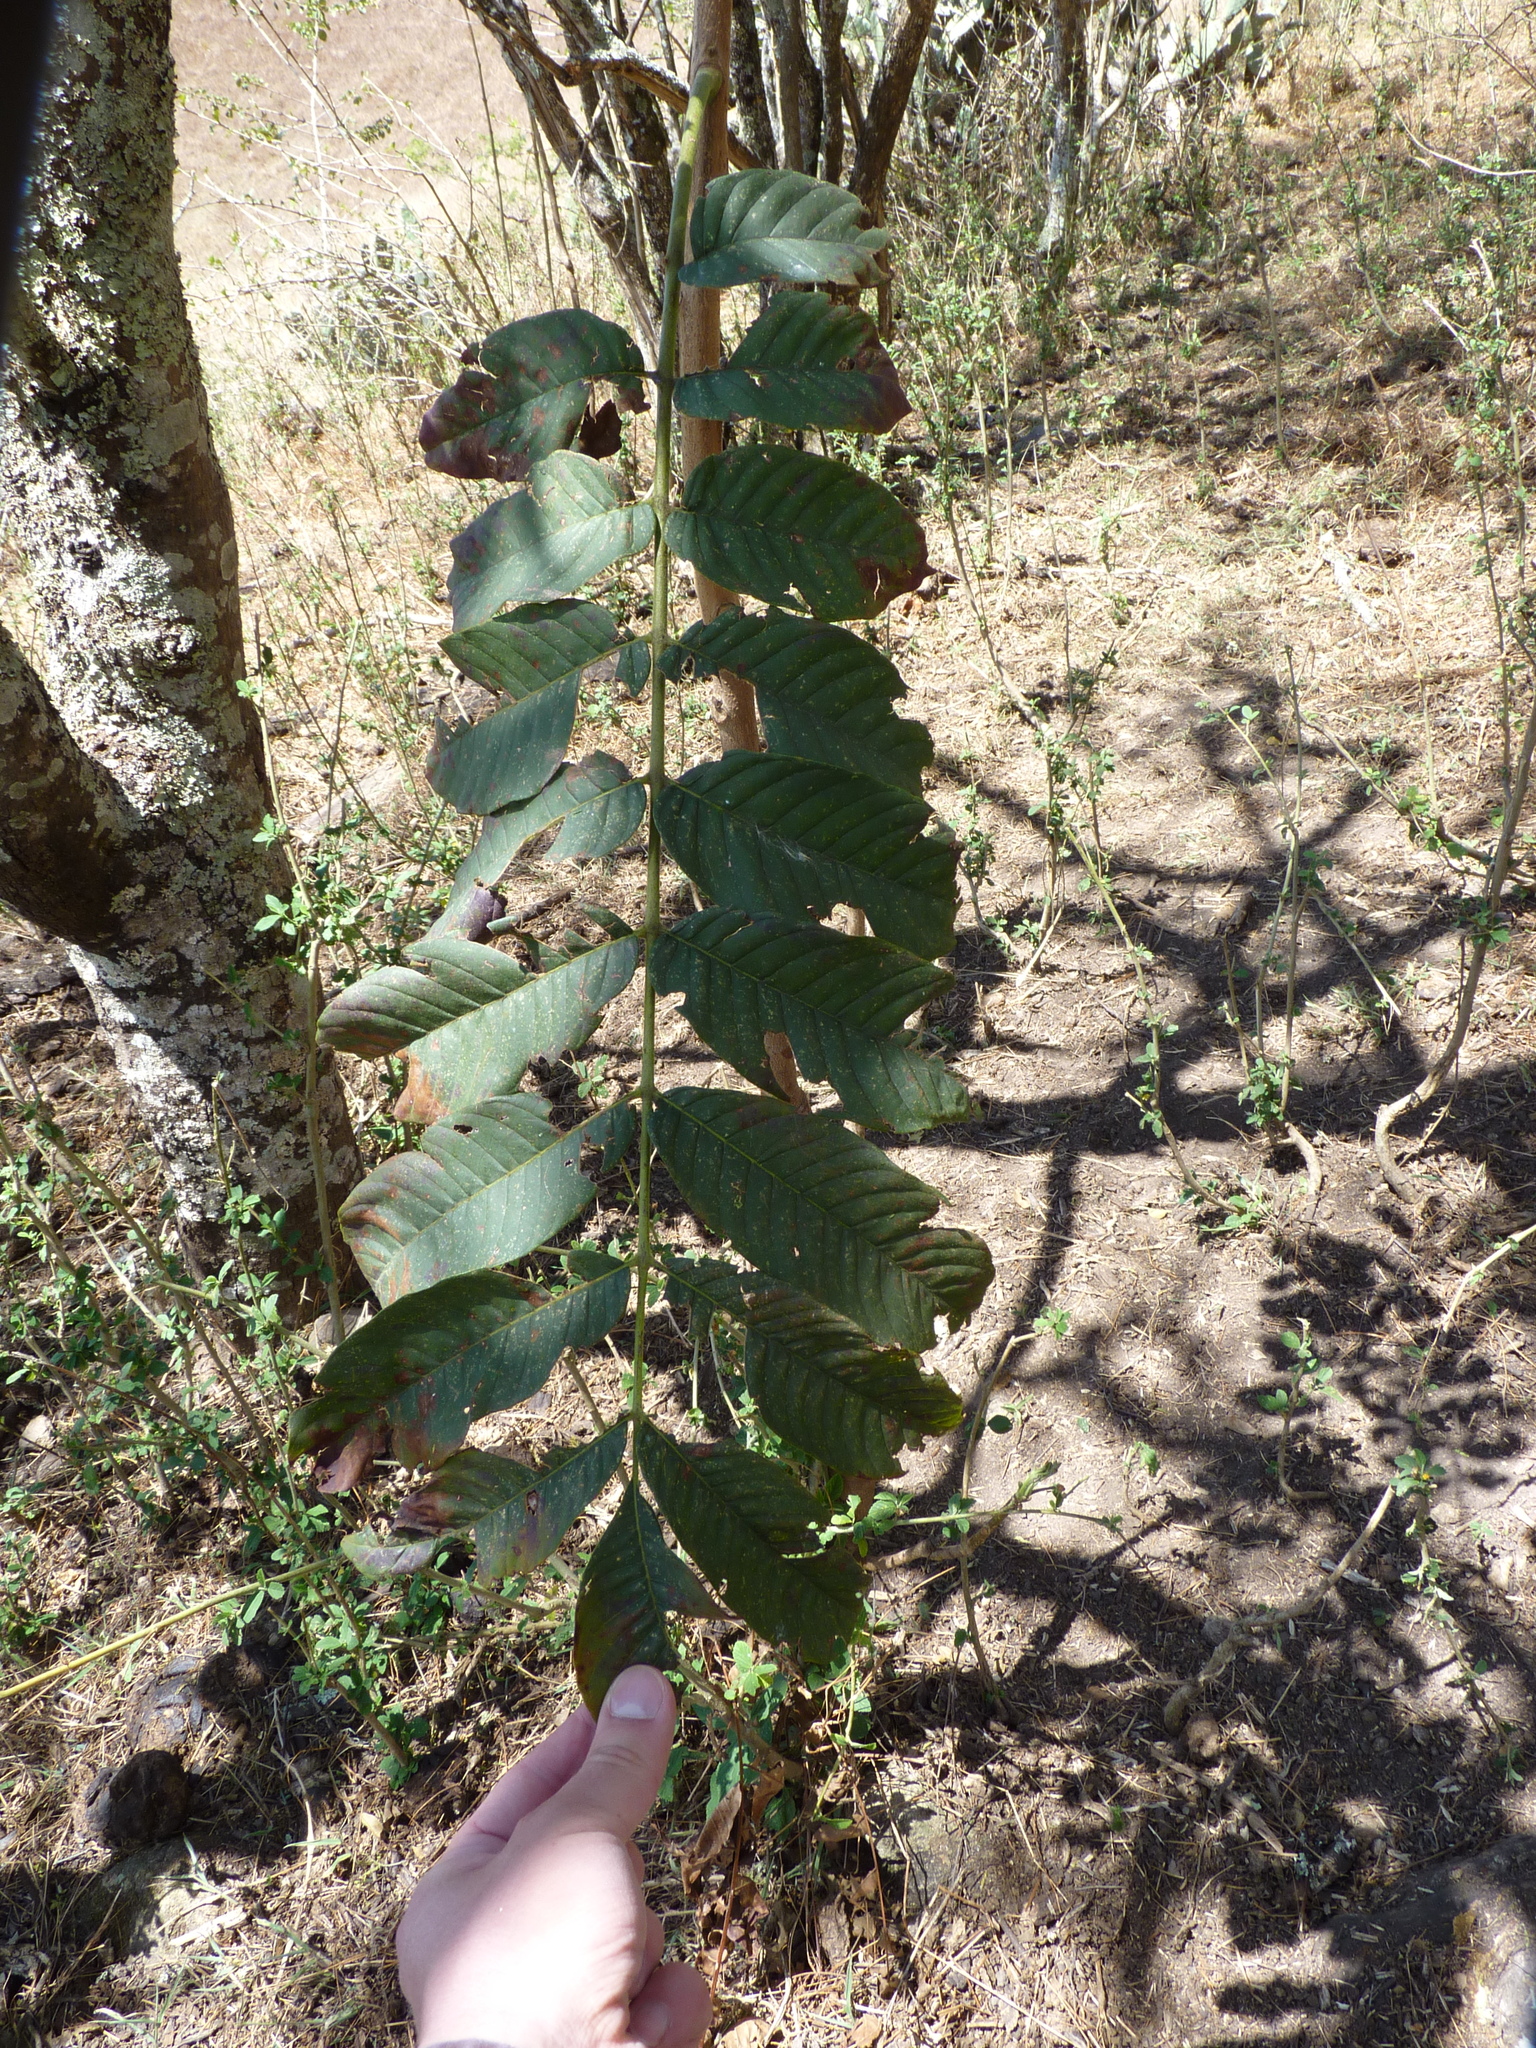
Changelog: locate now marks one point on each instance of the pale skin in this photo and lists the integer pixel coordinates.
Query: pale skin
(531, 1930)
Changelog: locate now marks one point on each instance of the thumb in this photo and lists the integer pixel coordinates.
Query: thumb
(622, 1772)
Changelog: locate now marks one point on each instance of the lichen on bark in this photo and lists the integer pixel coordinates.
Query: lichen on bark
(128, 753)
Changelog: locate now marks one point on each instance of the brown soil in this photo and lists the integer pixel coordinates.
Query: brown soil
(1303, 1859)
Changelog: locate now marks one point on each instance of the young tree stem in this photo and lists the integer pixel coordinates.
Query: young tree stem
(705, 85)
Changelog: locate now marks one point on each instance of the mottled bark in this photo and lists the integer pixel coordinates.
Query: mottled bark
(830, 16)
(799, 85)
(641, 145)
(888, 99)
(748, 88)
(1068, 103)
(130, 763)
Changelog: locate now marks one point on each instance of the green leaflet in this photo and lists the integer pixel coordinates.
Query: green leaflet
(823, 692)
(536, 656)
(506, 757)
(823, 1210)
(488, 1184)
(597, 798)
(841, 1002)
(820, 1382)
(476, 1021)
(705, 1285)
(632, 1583)
(782, 224)
(526, 650)
(487, 1051)
(518, 1516)
(381, 1557)
(471, 1345)
(798, 530)
(767, 832)
(567, 527)
(787, 371)
(526, 395)
(750, 1528)
(392, 1007)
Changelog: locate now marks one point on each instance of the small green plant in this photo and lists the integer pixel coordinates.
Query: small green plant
(1264, 1091)
(1308, 1382)
(1145, 1459)
(977, 846)
(839, 1282)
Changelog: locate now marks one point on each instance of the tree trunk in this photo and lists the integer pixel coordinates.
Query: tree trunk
(830, 16)
(799, 84)
(642, 144)
(748, 87)
(131, 763)
(1068, 96)
(698, 348)
(887, 107)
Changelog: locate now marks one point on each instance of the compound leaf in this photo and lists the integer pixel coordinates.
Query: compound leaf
(518, 1516)
(750, 1528)
(392, 1007)
(820, 1382)
(488, 1184)
(788, 370)
(768, 832)
(841, 1002)
(823, 692)
(433, 1362)
(813, 1205)
(798, 530)
(632, 1583)
(782, 224)
(526, 394)
(596, 801)
(567, 527)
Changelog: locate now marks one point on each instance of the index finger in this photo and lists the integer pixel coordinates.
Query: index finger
(533, 1779)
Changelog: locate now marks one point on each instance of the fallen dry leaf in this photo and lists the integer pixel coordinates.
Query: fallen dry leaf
(709, 1843)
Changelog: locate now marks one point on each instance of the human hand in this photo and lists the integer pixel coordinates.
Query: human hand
(531, 1929)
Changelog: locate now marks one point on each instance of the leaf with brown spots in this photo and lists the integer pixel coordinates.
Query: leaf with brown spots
(528, 394)
(518, 1516)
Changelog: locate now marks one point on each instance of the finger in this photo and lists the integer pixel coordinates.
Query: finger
(617, 1783)
(653, 1941)
(674, 2009)
(535, 1778)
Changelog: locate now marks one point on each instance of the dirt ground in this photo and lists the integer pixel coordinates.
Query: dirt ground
(1335, 1842)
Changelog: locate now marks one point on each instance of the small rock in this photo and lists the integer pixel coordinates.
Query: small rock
(146, 1800)
(39, 1432)
(832, 1932)
(1203, 1739)
(1504, 1572)
(166, 1712)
